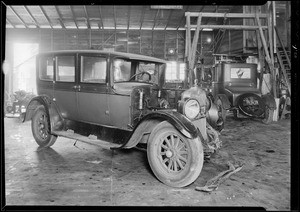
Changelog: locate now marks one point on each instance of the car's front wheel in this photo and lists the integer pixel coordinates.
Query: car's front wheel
(174, 159)
(40, 126)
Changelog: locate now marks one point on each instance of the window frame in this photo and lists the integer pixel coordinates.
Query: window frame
(56, 67)
(80, 65)
(40, 68)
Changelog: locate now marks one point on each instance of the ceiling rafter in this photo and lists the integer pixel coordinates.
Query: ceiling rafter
(101, 21)
(155, 19)
(71, 8)
(10, 23)
(128, 16)
(183, 17)
(60, 17)
(31, 16)
(46, 16)
(170, 15)
(142, 17)
(114, 11)
(87, 17)
(20, 19)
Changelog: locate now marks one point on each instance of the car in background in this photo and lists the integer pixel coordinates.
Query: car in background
(233, 86)
(125, 92)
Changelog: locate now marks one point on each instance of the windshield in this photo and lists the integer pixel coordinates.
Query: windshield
(136, 71)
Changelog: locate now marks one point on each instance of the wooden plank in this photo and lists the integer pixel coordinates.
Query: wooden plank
(268, 59)
(234, 27)
(195, 42)
(20, 19)
(228, 15)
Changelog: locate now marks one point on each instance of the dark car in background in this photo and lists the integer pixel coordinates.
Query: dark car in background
(233, 86)
(125, 92)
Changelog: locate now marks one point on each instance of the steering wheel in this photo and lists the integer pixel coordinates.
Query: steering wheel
(141, 73)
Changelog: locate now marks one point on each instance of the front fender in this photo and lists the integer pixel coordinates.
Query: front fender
(225, 101)
(56, 120)
(269, 101)
(147, 123)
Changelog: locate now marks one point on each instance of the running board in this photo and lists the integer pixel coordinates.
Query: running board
(87, 139)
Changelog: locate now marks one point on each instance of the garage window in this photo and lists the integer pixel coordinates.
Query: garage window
(93, 69)
(46, 69)
(65, 68)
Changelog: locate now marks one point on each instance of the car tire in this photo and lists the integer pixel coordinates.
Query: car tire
(268, 116)
(174, 159)
(40, 126)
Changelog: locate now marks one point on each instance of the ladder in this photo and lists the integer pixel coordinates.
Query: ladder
(285, 63)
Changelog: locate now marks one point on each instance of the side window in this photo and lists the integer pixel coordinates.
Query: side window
(65, 68)
(46, 69)
(93, 69)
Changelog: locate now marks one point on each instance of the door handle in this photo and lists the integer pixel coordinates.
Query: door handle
(77, 87)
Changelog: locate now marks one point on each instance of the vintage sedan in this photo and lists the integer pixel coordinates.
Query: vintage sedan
(233, 86)
(126, 92)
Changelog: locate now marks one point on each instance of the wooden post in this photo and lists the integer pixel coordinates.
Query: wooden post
(268, 59)
(188, 49)
(193, 51)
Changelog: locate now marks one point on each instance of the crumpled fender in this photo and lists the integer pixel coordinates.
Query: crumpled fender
(179, 121)
(56, 120)
(269, 101)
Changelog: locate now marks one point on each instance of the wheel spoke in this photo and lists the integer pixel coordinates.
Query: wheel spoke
(172, 140)
(167, 142)
(175, 166)
(170, 165)
(162, 153)
(176, 142)
(165, 160)
(179, 163)
(164, 147)
(180, 147)
(182, 158)
(183, 152)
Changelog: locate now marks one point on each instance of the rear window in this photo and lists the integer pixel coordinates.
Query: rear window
(65, 68)
(46, 68)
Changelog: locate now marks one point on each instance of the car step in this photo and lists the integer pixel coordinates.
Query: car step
(86, 139)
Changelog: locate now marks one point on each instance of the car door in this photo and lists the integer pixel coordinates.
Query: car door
(65, 86)
(92, 89)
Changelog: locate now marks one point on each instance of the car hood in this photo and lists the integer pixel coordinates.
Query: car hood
(125, 88)
(241, 89)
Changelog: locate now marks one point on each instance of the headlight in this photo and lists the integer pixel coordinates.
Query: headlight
(191, 108)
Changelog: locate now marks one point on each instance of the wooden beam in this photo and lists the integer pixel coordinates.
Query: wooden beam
(114, 12)
(87, 17)
(155, 19)
(195, 42)
(74, 18)
(9, 23)
(60, 18)
(188, 38)
(228, 15)
(20, 19)
(170, 15)
(29, 13)
(128, 16)
(142, 17)
(100, 15)
(268, 59)
(234, 27)
(44, 13)
(182, 19)
(283, 47)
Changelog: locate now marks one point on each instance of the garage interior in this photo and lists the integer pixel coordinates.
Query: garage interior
(192, 39)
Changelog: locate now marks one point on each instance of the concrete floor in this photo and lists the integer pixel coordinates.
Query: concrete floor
(85, 174)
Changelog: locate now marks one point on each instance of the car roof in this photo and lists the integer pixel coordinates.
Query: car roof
(120, 54)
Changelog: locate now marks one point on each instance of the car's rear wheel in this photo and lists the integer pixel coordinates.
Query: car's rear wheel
(174, 159)
(40, 126)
